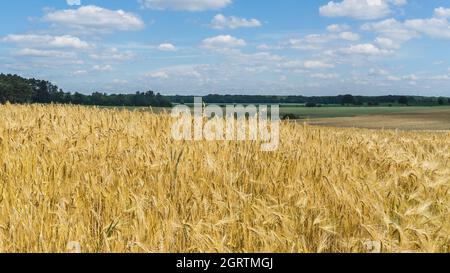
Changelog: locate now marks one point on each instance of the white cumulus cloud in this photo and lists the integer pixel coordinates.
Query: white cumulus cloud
(434, 27)
(38, 53)
(167, 47)
(47, 41)
(365, 49)
(188, 5)
(338, 28)
(221, 22)
(223, 41)
(94, 18)
(442, 12)
(360, 9)
(314, 64)
(349, 36)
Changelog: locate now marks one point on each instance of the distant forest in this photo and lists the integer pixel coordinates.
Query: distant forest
(16, 89)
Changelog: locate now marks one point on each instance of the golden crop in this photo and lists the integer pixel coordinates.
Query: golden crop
(96, 180)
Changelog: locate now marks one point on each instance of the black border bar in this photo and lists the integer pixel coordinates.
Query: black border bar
(247, 263)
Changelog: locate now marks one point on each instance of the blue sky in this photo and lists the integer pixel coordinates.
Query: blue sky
(310, 47)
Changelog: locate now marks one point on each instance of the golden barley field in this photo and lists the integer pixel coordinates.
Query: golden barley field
(98, 180)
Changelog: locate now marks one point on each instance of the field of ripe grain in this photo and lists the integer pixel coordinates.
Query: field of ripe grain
(98, 180)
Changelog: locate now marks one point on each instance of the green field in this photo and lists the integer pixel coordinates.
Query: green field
(334, 112)
(302, 112)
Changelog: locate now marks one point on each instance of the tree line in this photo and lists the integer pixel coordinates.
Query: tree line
(314, 101)
(16, 89)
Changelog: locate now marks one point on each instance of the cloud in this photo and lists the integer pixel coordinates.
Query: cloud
(188, 5)
(95, 19)
(349, 36)
(320, 41)
(378, 72)
(158, 75)
(394, 78)
(283, 78)
(74, 2)
(338, 28)
(433, 27)
(442, 12)
(436, 27)
(392, 33)
(256, 59)
(269, 47)
(301, 44)
(112, 54)
(178, 72)
(411, 77)
(30, 52)
(390, 28)
(102, 68)
(223, 41)
(314, 64)
(79, 72)
(444, 77)
(387, 43)
(323, 76)
(365, 49)
(47, 41)
(167, 47)
(311, 41)
(120, 81)
(360, 9)
(222, 22)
